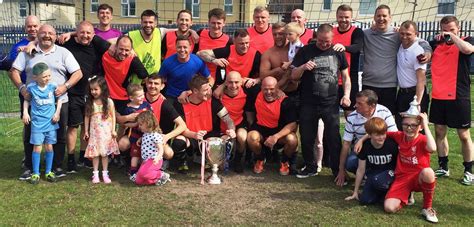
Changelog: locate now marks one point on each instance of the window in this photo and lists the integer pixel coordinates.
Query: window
(22, 7)
(327, 5)
(94, 5)
(193, 6)
(446, 7)
(228, 7)
(367, 7)
(128, 8)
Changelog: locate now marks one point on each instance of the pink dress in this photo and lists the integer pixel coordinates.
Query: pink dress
(101, 143)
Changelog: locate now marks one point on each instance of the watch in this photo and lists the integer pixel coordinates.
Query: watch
(67, 85)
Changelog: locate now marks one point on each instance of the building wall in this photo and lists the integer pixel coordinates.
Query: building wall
(402, 10)
(50, 13)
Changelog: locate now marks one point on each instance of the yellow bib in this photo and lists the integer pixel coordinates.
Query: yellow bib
(149, 53)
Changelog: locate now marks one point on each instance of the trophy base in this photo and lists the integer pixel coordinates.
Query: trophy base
(214, 179)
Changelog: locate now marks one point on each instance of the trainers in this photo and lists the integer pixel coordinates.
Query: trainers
(165, 178)
(183, 168)
(25, 175)
(95, 179)
(468, 179)
(284, 169)
(430, 215)
(51, 177)
(106, 178)
(441, 173)
(133, 177)
(71, 167)
(58, 172)
(411, 199)
(34, 179)
(258, 167)
(305, 173)
(80, 164)
(88, 163)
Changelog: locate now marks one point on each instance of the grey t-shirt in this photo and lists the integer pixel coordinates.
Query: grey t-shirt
(60, 62)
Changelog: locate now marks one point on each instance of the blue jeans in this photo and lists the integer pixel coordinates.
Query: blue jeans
(376, 186)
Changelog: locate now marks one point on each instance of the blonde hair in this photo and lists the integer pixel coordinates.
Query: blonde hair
(294, 27)
(149, 119)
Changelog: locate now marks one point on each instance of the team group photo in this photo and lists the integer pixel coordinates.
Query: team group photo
(236, 113)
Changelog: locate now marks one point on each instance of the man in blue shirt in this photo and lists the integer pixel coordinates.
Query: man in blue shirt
(180, 68)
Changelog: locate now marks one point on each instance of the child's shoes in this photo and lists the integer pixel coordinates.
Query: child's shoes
(105, 177)
(95, 177)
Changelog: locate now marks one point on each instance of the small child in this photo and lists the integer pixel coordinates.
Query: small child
(413, 171)
(137, 104)
(377, 160)
(100, 128)
(44, 118)
(151, 151)
(293, 32)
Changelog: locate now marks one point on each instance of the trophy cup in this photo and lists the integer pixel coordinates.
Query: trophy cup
(414, 109)
(215, 155)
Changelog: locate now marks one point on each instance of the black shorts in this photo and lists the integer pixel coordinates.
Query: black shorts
(352, 97)
(77, 104)
(453, 113)
(120, 105)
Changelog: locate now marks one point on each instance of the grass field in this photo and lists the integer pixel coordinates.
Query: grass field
(246, 199)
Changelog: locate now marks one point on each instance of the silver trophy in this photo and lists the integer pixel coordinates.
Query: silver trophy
(215, 155)
(414, 109)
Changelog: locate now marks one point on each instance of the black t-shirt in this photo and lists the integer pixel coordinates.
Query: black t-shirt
(378, 160)
(357, 41)
(167, 116)
(319, 86)
(89, 59)
(216, 106)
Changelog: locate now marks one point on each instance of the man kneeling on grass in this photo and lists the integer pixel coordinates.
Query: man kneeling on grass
(377, 161)
(413, 172)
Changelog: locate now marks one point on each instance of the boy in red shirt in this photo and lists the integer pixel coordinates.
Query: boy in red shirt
(413, 172)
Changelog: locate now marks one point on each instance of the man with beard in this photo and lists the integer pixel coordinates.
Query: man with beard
(240, 57)
(178, 70)
(184, 22)
(213, 37)
(147, 43)
(275, 127)
(317, 66)
(299, 16)
(348, 39)
(261, 32)
(88, 49)
(61, 63)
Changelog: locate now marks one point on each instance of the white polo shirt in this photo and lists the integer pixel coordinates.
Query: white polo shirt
(407, 64)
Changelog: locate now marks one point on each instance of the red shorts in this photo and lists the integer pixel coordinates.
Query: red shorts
(135, 150)
(403, 185)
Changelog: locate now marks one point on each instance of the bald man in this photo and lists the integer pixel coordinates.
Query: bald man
(236, 99)
(65, 72)
(88, 49)
(299, 17)
(274, 128)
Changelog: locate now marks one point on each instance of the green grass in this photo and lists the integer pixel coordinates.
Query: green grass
(247, 199)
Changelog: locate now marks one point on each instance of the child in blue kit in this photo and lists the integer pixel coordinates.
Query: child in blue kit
(45, 109)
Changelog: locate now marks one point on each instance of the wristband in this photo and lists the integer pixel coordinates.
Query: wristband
(21, 87)
(67, 85)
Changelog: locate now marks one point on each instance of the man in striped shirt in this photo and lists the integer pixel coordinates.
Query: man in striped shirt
(366, 108)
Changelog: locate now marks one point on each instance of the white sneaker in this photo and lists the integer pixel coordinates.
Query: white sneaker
(165, 178)
(133, 177)
(441, 173)
(468, 179)
(430, 215)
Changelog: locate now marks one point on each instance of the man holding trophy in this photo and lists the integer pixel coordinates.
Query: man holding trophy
(203, 115)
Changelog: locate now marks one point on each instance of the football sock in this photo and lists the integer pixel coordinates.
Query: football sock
(70, 157)
(467, 166)
(48, 156)
(428, 192)
(443, 162)
(36, 158)
(81, 155)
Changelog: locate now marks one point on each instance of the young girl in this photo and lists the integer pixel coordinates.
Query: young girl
(100, 128)
(152, 151)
